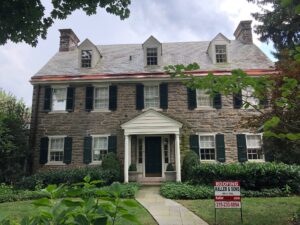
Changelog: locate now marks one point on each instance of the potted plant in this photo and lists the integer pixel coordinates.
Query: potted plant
(133, 174)
(170, 173)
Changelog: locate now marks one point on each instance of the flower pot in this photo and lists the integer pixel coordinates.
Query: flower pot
(170, 175)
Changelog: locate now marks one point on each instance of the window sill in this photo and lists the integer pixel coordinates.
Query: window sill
(100, 110)
(96, 163)
(156, 109)
(208, 161)
(58, 111)
(205, 108)
(55, 164)
(256, 160)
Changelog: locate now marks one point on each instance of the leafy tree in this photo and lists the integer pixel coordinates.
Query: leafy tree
(14, 122)
(280, 22)
(25, 20)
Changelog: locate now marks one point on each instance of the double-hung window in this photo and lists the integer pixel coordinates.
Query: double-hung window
(101, 99)
(56, 149)
(204, 100)
(254, 147)
(151, 56)
(86, 58)
(59, 98)
(248, 96)
(151, 95)
(221, 54)
(100, 148)
(207, 147)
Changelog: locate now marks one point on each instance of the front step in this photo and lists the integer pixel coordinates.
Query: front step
(151, 181)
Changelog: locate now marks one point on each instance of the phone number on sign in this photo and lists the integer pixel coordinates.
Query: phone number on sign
(226, 204)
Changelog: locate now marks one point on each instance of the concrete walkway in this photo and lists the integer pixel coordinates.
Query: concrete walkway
(166, 211)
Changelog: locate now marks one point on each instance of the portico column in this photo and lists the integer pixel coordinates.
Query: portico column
(177, 158)
(126, 157)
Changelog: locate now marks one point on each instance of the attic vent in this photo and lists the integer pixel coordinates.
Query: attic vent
(130, 57)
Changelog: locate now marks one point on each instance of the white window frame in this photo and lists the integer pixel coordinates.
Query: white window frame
(140, 152)
(106, 109)
(81, 59)
(251, 99)
(261, 139)
(163, 149)
(215, 150)
(98, 136)
(204, 107)
(158, 97)
(49, 150)
(52, 98)
(226, 53)
(151, 56)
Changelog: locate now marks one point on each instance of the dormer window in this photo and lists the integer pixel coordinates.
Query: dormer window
(86, 58)
(221, 54)
(151, 56)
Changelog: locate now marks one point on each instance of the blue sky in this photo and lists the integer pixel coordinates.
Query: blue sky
(168, 21)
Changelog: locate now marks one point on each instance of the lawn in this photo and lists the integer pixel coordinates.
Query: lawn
(17, 210)
(256, 211)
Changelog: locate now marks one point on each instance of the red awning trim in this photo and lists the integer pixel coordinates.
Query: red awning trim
(120, 76)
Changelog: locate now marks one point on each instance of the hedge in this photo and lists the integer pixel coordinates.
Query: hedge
(253, 176)
(68, 176)
(187, 191)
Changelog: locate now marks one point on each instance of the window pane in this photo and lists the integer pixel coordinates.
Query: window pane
(253, 141)
(101, 99)
(151, 56)
(151, 95)
(56, 149)
(221, 54)
(203, 99)
(100, 148)
(59, 96)
(207, 142)
(248, 96)
(86, 58)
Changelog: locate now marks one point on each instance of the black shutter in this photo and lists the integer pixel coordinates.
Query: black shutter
(70, 99)
(87, 150)
(237, 100)
(163, 91)
(217, 101)
(264, 102)
(112, 144)
(192, 102)
(139, 96)
(44, 150)
(242, 147)
(47, 99)
(220, 147)
(89, 98)
(113, 93)
(194, 143)
(68, 150)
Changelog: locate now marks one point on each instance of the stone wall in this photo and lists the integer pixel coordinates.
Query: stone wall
(79, 123)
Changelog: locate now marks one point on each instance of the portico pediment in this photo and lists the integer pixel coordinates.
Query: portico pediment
(151, 122)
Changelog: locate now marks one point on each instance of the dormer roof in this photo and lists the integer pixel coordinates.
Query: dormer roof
(219, 37)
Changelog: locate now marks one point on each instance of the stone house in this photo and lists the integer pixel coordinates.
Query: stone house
(90, 99)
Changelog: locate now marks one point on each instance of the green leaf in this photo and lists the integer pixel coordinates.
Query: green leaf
(87, 178)
(51, 188)
(130, 203)
(81, 220)
(42, 202)
(130, 218)
(72, 202)
(293, 137)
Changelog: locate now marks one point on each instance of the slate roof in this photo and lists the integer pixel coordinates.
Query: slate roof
(115, 59)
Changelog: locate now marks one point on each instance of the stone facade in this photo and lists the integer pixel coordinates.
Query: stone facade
(80, 123)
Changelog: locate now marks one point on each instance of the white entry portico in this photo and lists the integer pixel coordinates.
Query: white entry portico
(147, 124)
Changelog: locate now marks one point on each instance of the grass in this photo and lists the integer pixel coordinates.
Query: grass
(17, 210)
(256, 211)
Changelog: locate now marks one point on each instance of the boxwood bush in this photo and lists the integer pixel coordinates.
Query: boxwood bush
(188, 191)
(68, 176)
(253, 176)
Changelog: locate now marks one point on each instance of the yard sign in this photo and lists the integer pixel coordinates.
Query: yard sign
(227, 195)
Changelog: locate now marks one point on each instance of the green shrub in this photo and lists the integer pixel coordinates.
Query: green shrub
(68, 176)
(190, 160)
(188, 191)
(20, 195)
(111, 162)
(132, 167)
(253, 176)
(170, 167)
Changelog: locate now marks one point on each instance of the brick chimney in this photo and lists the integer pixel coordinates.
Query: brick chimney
(243, 32)
(68, 40)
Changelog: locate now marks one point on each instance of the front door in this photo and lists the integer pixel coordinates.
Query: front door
(153, 156)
